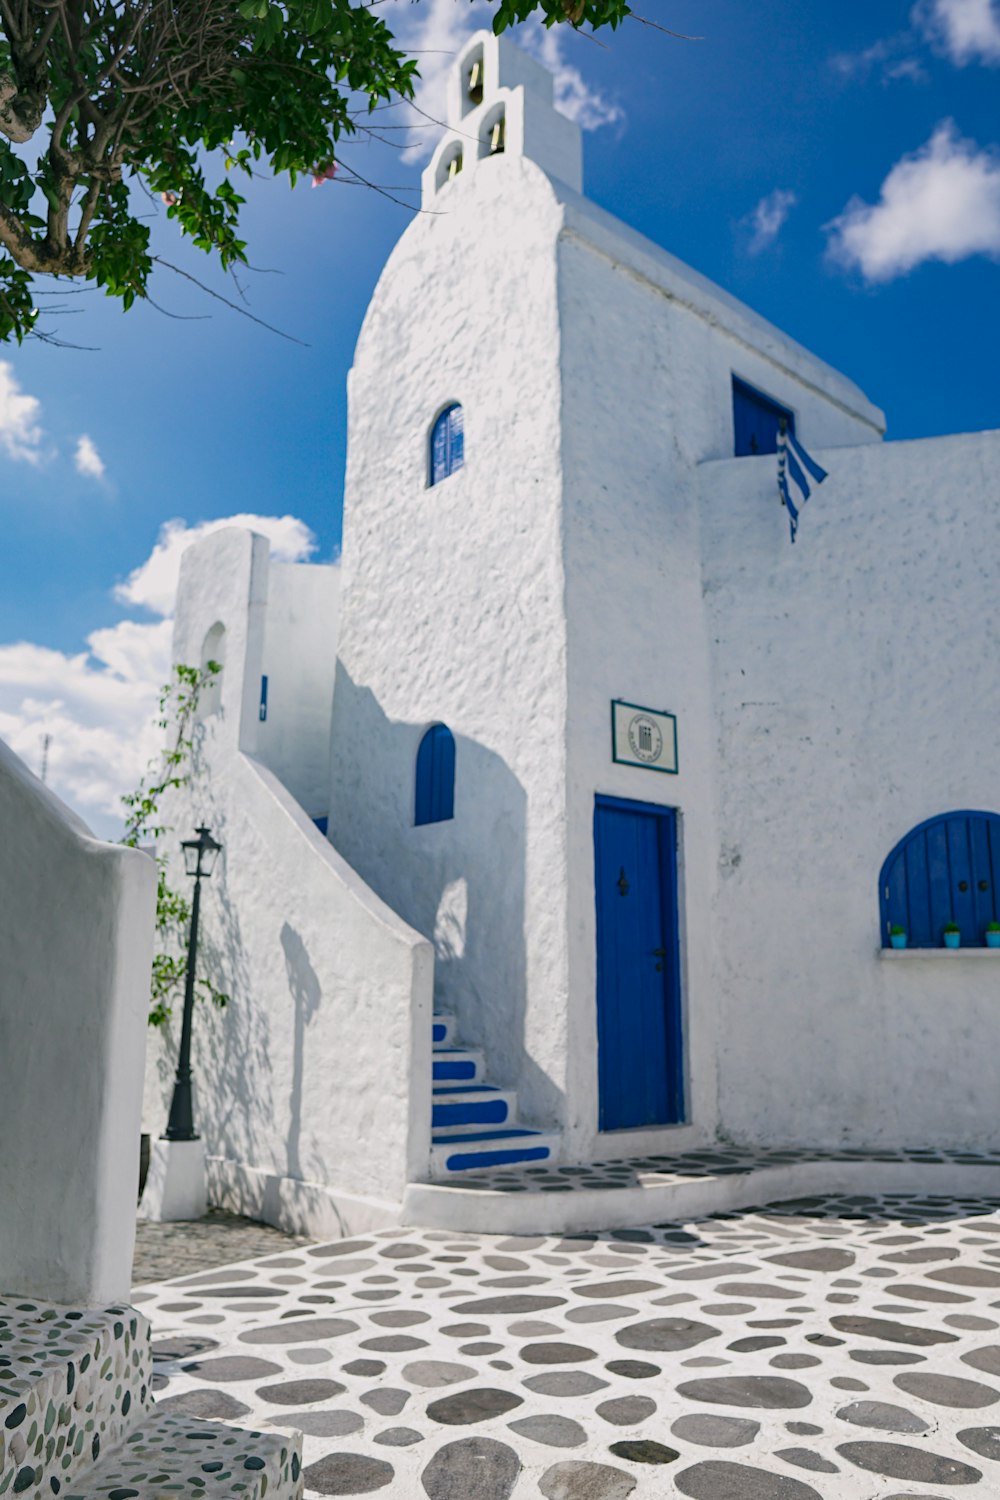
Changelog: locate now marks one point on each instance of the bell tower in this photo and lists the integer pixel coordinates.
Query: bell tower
(500, 103)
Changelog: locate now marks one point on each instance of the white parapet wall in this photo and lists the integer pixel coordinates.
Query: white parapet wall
(76, 942)
(312, 1085)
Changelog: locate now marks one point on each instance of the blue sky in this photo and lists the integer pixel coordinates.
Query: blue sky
(836, 167)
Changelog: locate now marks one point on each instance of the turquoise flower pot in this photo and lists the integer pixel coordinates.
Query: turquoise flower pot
(898, 939)
(952, 939)
(993, 940)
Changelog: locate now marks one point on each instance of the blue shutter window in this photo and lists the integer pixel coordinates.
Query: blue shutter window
(944, 870)
(435, 791)
(756, 419)
(447, 443)
(262, 710)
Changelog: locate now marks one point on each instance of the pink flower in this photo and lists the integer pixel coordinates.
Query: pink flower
(169, 199)
(324, 174)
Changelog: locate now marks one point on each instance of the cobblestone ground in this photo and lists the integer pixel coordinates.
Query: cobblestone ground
(826, 1349)
(166, 1250)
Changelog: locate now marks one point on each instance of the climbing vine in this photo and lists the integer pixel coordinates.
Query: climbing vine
(178, 705)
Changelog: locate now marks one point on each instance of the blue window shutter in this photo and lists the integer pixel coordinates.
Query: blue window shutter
(456, 436)
(447, 443)
(756, 419)
(943, 871)
(262, 711)
(434, 800)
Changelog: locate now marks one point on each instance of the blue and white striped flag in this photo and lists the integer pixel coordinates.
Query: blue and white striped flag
(794, 464)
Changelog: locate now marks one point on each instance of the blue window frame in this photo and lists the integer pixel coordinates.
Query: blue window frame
(944, 870)
(435, 790)
(756, 420)
(447, 443)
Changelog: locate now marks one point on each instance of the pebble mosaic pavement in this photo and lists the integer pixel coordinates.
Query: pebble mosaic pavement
(824, 1349)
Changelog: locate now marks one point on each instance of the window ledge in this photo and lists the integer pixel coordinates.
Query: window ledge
(950, 953)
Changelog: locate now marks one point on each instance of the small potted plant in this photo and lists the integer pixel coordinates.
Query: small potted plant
(993, 934)
(952, 934)
(897, 936)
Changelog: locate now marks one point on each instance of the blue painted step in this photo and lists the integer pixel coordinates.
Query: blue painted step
(473, 1123)
(457, 1064)
(480, 1104)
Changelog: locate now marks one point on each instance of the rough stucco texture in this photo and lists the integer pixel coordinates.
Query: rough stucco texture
(76, 938)
(856, 694)
(306, 1075)
(452, 611)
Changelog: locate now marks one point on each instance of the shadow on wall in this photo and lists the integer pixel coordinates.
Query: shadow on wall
(233, 1075)
(304, 988)
(461, 883)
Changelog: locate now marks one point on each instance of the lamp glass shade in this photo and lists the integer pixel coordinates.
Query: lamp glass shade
(201, 853)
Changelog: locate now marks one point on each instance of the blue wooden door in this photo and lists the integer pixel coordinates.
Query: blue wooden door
(639, 1045)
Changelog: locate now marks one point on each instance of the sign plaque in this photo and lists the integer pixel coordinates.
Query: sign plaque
(643, 737)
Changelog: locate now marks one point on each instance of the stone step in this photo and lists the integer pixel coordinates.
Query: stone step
(72, 1384)
(479, 1151)
(443, 1030)
(456, 1065)
(172, 1454)
(456, 1109)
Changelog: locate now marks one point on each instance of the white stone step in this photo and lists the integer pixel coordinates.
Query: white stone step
(72, 1384)
(171, 1454)
(506, 1146)
(457, 1065)
(443, 1030)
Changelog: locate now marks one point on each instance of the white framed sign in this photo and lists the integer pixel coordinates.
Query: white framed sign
(643, 737)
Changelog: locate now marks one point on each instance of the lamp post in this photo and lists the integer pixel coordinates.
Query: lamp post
(200, 855)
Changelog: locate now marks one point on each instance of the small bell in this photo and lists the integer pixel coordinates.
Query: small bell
(476, 82)
(497, 137)
(455, 165)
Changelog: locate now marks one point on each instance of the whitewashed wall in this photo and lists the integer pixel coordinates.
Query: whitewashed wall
(648, 353)
(76, 942)
(453, 611)
(303, 1083)
(856, 693)
(299, 659)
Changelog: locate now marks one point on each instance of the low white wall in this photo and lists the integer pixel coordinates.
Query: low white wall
(317, 1073)
(76, 940)
(856, 693)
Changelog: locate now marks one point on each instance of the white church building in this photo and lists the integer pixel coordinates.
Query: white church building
(566, 820)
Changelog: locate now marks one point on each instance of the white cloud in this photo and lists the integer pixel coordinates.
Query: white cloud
(99, 705)
(153, 584)
(891, 57)
(965, 30)
(20, 430)
(767, 218)
(87, 459)
(940, 203)
(573, 95)
(436, 31)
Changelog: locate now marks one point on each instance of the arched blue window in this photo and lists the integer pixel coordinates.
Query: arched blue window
(447, 443)
(435, 792)
(944, 870)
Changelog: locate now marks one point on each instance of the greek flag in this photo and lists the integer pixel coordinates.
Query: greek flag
(794, 464)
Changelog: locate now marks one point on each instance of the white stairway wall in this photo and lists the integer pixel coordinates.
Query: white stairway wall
(311, 1086)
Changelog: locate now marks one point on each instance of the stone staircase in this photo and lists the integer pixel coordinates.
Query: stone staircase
(473, 1123)
(77, 1420)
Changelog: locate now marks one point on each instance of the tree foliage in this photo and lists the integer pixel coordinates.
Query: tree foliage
(144, 826)
(100, 96)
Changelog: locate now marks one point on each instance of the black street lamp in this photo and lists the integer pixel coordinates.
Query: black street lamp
(200, 855)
